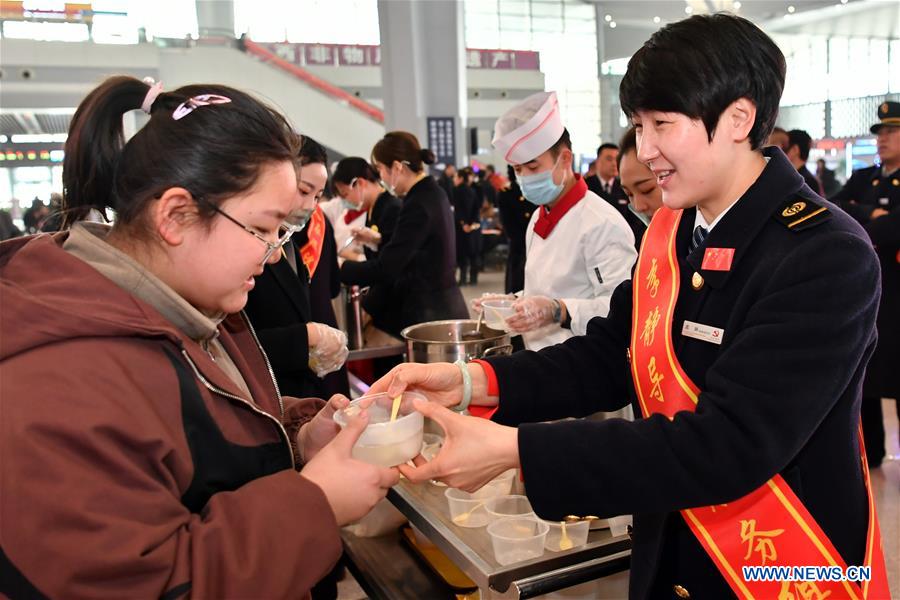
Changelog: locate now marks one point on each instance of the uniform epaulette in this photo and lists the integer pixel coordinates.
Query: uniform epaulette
(800, 213)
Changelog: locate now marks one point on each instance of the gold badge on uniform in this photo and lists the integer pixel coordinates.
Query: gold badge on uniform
(896, 182)
(696, 281)
(875, 182)
(883, 108)
(793, 209)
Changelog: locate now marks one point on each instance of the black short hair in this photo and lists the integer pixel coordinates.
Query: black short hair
(801, 139)
(312, 152)
(564, 141)
(700, 65)
(626, 145)
(354, 167)
(606, 146)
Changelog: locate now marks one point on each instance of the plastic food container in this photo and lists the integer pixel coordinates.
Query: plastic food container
(385, 443)
(466, 510)
(577, 533)
(496, 312)
(517, 538)
(509, 506)
(499, 486)
(431, 445)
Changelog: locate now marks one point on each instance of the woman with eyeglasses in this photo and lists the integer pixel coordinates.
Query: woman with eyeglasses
(420, 260)
(290, 305)
(147, 450)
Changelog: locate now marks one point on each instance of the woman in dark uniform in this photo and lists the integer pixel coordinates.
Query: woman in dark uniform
(290, 306)
(357, 183)
(420, 259)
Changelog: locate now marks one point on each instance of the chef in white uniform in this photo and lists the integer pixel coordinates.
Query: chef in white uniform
(578, 246)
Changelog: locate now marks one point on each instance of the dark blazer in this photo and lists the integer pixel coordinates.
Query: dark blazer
(466, 211)
(781, 394)
(637, 227)
(617, 197)
(385, 213)
(515, 214)
(866, 190)
(278, 307)
(419, 261)
(324, 286)
(381, 302)
(811, 180)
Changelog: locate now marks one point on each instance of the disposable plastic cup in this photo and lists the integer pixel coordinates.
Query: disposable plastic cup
(619, 525)
(499, 486)
(431, 444)
(509, 506)
(515, 539)
(496, 312)
(577, 533)
(465, 510)
(386, 443)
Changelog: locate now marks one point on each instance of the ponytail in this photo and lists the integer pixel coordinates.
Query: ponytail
(94, 146)
(403, 147)
(211, 140)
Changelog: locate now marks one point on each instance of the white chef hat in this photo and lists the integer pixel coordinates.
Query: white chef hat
(529, 129)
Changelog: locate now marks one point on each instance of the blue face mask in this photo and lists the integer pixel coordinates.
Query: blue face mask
(300, 217)
(540, 188)
(350, 205)
(643, 218)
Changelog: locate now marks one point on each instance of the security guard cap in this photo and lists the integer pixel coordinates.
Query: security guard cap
(888, 114)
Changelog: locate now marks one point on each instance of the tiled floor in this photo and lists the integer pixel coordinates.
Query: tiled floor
(885, 482)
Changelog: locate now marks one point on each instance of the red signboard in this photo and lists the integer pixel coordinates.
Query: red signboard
(357, 55)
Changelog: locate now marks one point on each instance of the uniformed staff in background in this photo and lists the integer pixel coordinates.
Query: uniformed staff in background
(872, 197)
(515, 213)
(605, 182)
(799, 145)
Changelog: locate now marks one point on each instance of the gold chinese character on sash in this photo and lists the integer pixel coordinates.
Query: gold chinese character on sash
(652, 279)
(650, 326)
(764, 544)
(802, 590)
(655, 378)
(715, 506)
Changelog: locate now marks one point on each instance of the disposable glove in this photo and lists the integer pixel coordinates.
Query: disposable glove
(329, 351)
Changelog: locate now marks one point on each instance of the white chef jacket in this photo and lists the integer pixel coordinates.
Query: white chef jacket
(587, 255)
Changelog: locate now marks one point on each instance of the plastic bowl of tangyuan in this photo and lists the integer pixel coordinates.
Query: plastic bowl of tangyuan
(385, 442)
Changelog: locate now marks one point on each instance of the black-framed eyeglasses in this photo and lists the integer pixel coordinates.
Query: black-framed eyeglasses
(271, 247)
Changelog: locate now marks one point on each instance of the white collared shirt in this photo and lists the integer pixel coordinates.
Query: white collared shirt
(699, 220)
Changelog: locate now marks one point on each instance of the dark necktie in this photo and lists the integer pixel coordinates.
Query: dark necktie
(698, 238)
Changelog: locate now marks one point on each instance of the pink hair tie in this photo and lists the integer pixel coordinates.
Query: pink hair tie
(154, 91)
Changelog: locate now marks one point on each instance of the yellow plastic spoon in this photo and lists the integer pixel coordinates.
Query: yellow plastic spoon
(564, 542)
(395, 408)
(463, 517)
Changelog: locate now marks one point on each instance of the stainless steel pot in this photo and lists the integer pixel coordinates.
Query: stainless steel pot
(448, 341)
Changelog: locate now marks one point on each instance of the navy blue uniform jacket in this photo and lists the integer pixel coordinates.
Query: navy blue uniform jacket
(865, 191)
(780, 395)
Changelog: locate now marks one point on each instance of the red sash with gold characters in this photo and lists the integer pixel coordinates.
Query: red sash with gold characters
(769, 527)
(311, 251)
